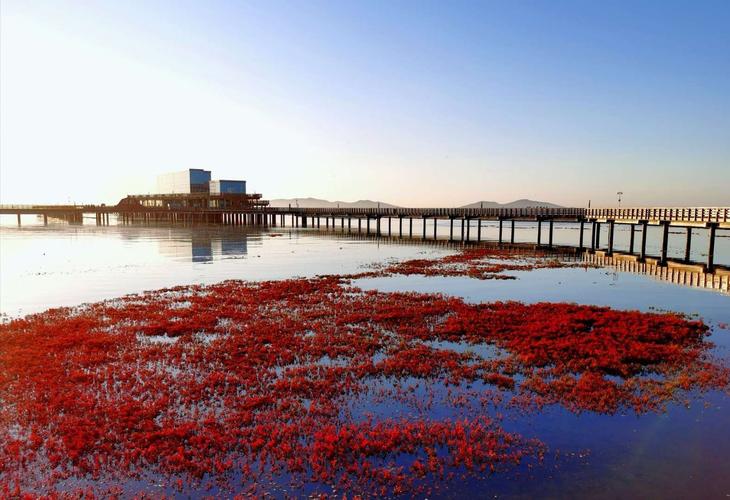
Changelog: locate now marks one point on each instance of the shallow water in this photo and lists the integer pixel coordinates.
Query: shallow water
(682, 453)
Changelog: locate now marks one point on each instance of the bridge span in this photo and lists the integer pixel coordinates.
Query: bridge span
(638, 218)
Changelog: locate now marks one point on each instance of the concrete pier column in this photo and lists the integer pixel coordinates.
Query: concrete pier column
(598, 235)
(327, 221)
(359, 224)
(632, 228)
(18, 219)
(611, 226)
(451, 229)
(367, 225)
(665, 243)
(468, 228)
(550, 234)
(593, 235)
(711, 230)
(539, 232)
(479, 229)
(688, 245)
(435, 228)
(423, 237)
(512, 234)
(349, 224)
(500, 230)
(45, 219)
(580, 236)
(389, 231)
(410, 227)
(400, 226)
(644, 227)
(377, 225)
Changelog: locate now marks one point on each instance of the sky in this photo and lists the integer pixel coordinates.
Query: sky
(413, 103)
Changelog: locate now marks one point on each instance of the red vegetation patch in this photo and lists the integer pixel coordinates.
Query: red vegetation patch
(240, 384)
(479, 263)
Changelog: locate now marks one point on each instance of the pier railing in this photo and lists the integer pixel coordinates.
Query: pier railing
(669, 214)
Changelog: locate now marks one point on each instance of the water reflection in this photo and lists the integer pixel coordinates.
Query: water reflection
(203, 245)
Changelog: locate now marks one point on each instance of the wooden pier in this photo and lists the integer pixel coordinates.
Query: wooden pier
(400, 221)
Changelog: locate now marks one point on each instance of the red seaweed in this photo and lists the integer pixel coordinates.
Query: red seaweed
(242, 383)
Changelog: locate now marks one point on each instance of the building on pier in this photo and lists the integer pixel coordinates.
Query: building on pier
(193, 189)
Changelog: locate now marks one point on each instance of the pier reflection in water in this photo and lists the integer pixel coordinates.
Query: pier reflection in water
(674, 272)
(59, 264)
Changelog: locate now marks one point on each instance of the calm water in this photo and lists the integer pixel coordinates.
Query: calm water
(683, 453)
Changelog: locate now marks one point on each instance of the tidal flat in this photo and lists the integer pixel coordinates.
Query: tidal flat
(209, 361)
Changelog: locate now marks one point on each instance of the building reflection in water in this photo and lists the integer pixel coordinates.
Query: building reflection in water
(203, 246)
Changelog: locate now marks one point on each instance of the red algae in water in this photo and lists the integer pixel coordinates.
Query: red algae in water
(479, 263)
(239, 384)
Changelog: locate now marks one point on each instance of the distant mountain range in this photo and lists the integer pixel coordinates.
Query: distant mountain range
(524, 203)
(318, 203)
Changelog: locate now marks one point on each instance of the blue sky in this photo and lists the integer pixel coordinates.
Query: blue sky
(414, 103)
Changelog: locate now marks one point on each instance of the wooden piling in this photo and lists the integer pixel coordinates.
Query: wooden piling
(711, 229)
(665, 243)
(632, 228)
(512, 234)
(644, 227)
(611, 225)
(539, 232)
(580, 236)
(688, 245)
(550, 234)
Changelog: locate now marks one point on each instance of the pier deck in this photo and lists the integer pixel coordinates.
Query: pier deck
(711, 218)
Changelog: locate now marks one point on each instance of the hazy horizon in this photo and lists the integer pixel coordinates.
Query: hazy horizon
(409, 103)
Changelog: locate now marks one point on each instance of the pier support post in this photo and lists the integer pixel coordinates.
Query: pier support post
(500, 230)
(550, 234)
(580, 236)
(512, 233)
(665, 243)
(688, 245)
(611, 225)
(539, 232)
(593, 234)
(435, 226)
(598, 235)
(462, 229)
(367, 225)
(410, 227)
(359, 225)
(400, 226)
(45, 219)
(389, 232)
(423, 237)
(468, 229)
(377, 225)
(644, 227)
(451, 229)
(631, 238)
(711, 229)
(18, 219)
(479, 229)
